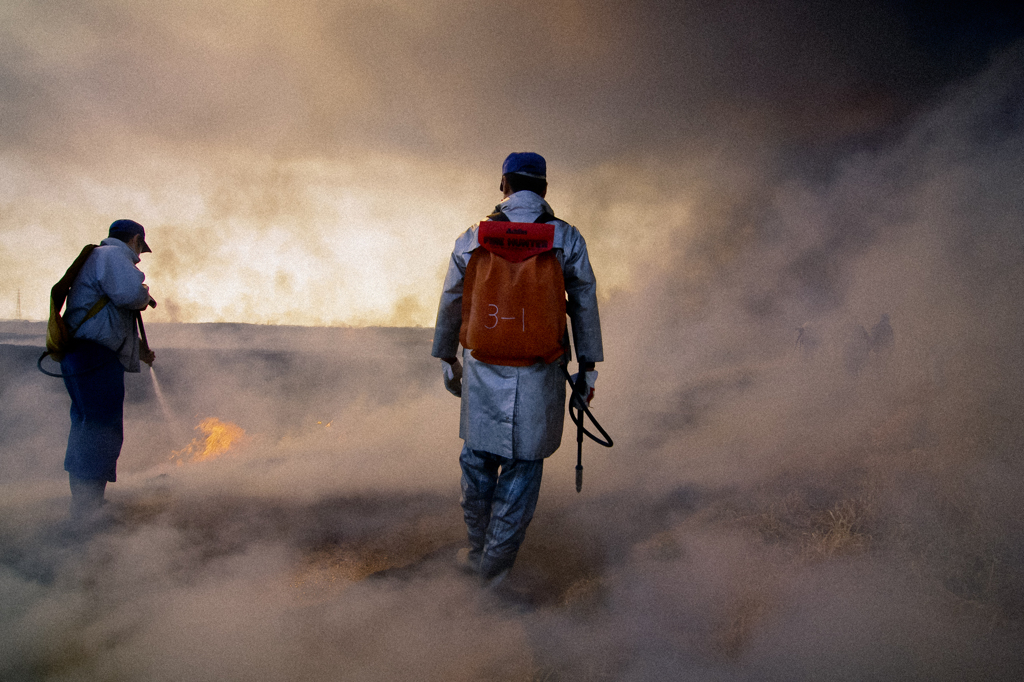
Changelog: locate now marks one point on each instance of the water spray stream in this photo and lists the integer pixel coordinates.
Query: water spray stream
(164, 406)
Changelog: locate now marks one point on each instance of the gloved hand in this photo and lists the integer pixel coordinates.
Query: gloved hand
(590, 380)
(452, 374)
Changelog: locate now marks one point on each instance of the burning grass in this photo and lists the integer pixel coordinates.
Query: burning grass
(218, 438)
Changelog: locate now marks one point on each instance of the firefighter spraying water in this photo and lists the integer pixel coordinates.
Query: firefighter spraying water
(97, 340)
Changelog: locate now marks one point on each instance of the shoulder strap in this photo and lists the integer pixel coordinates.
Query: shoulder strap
(96, 307)
(59, 291)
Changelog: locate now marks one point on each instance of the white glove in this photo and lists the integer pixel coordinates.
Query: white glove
(452, 375)
(590, 379)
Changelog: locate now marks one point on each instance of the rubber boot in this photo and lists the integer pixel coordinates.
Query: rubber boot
(493, 569)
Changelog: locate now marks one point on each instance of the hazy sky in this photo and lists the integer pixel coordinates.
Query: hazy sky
(312, 163)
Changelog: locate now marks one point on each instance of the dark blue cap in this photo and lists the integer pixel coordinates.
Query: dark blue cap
(525, 163)
(127, 229)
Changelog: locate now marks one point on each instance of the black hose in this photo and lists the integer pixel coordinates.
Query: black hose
(577, 418)
(39, 364)
(579, 401)
(142, 329)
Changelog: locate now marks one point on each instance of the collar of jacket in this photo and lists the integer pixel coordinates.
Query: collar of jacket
(114, 241)
(525, 201)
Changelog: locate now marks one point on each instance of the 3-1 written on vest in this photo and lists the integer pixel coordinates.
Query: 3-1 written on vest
(495, 315)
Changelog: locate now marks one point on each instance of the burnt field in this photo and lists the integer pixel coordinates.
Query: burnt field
(777, 518)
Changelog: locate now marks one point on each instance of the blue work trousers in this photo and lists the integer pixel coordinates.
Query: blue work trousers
(94, 378)
(499, 496)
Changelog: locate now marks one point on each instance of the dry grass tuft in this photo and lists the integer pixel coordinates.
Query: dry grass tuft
(327, 570)
(741, 618)
(840, 530)
(583, 592)
(662, 546)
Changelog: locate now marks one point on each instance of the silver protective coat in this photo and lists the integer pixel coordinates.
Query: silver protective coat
(518, 412)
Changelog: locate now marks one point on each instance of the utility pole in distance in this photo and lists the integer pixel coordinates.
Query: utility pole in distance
(19, 305)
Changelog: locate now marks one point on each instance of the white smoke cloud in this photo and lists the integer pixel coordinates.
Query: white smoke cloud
(303, 165)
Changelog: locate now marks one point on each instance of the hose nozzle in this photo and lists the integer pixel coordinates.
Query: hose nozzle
(579, 478)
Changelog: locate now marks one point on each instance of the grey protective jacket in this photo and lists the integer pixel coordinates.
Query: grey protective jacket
(517, 412)
(109, 271)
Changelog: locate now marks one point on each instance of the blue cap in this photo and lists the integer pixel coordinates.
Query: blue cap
(525, 163)
(129, 228)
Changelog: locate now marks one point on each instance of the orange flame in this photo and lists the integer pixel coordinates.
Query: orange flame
(218, 437)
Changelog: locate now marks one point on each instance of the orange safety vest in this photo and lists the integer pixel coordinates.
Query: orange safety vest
(513, 296)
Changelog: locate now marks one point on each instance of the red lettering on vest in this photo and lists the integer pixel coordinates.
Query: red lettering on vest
(515, 242)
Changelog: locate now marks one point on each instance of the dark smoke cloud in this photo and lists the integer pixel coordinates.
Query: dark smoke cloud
(584, 81)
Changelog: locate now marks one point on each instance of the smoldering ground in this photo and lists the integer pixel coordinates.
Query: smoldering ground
(788, 498)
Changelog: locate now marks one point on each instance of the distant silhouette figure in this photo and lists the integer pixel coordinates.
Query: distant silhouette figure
(807, 341)
(882, 336)
(857, 349)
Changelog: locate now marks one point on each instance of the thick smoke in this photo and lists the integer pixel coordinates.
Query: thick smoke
(792, 494)
(279, 152)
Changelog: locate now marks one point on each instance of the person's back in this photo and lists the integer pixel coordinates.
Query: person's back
(512, 413)
(111, 273)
